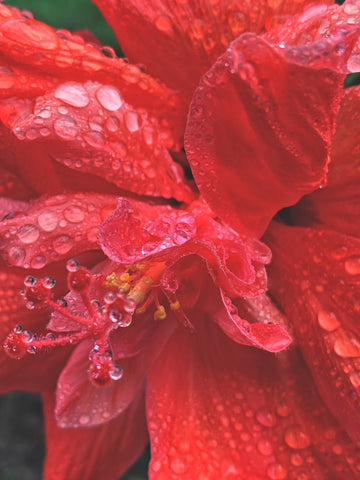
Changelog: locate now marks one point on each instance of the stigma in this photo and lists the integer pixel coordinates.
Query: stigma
(121, 296)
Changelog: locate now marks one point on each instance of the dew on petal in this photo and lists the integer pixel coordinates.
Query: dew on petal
(47, 221)
(178, 466)
(73, 94)
(74, 214)
(109, 97)
(355, 379)
(62, 244)
(295, 438)
(94, 139)
(352, 265)
(16, 256)
(328, 321)
(66, 127)
(346, 345)
(28, 233)
(265, 418)
(276, 471)
(131, 121)
(163, 23)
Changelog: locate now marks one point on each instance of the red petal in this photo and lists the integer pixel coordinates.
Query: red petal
(30, 373)
(319, 21)
(338, 203)
(314, 277)
(54, 228)
(37, 58)
(13, 187)
(102, 452)
(252, 149)
(89, 128)
(220, 411)
(178, 41)
(80, 403)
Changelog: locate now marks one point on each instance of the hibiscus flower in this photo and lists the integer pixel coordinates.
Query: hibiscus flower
(166, 323)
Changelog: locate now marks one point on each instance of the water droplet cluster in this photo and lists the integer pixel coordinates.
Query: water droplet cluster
(103, 135)
(53, 228)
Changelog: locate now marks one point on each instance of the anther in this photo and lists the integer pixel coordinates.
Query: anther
(160, 313)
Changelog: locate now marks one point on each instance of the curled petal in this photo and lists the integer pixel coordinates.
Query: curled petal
(54, 228)
(314, 277)
(252, 149)
(319, 21)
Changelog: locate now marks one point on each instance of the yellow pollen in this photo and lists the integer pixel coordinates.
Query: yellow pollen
(141, 266)
(126, 287)
(124, 277)
(113, 280)
(160, 313)
(140, 310)
(175, 305)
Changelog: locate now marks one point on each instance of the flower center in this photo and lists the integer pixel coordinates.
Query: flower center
(134, 290)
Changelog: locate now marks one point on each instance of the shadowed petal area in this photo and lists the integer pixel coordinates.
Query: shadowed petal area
(184, 38)
(337, 205)
(315, 278)
(260, 124)
(105, 451)
(216, 410)
(54, 228)
(81, 403)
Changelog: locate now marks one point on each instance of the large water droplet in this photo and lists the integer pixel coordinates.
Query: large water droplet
(328, 321)
(74, 214)
(276, 471)
(62, 244)
(84, 419)
(163, 23)
(16, 256)
(296, 438)
(265, 447)
(95, 139)
(47, 221)
(72, 93)
(131, 121)
(355, 379)
(109, 97)
(66, 127)
(265, 417)
(28, 233)
(352, 265)
(347, 345)
(178, 466)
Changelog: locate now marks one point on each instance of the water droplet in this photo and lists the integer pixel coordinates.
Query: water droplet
(346, 345)
(84, 419)
(296, 438)
(66, 127)
(276, 471)
(72, 265)
(28, 233)
(49, 282)
(16, 256)
(283, 409)
(131, 121)
(163, 23)
(29, 281)
(237, 23)
(265, 417)
(328, 321)
(355, 379)
(112, 124)
(39, 261)
(47, 221)
(116, 373)
(7, 78)
(178, 466)
(109, 97)
(73, 94)
(352, 265)
(94, 139)
(265, 447)
(62, 244)
(74, 214)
